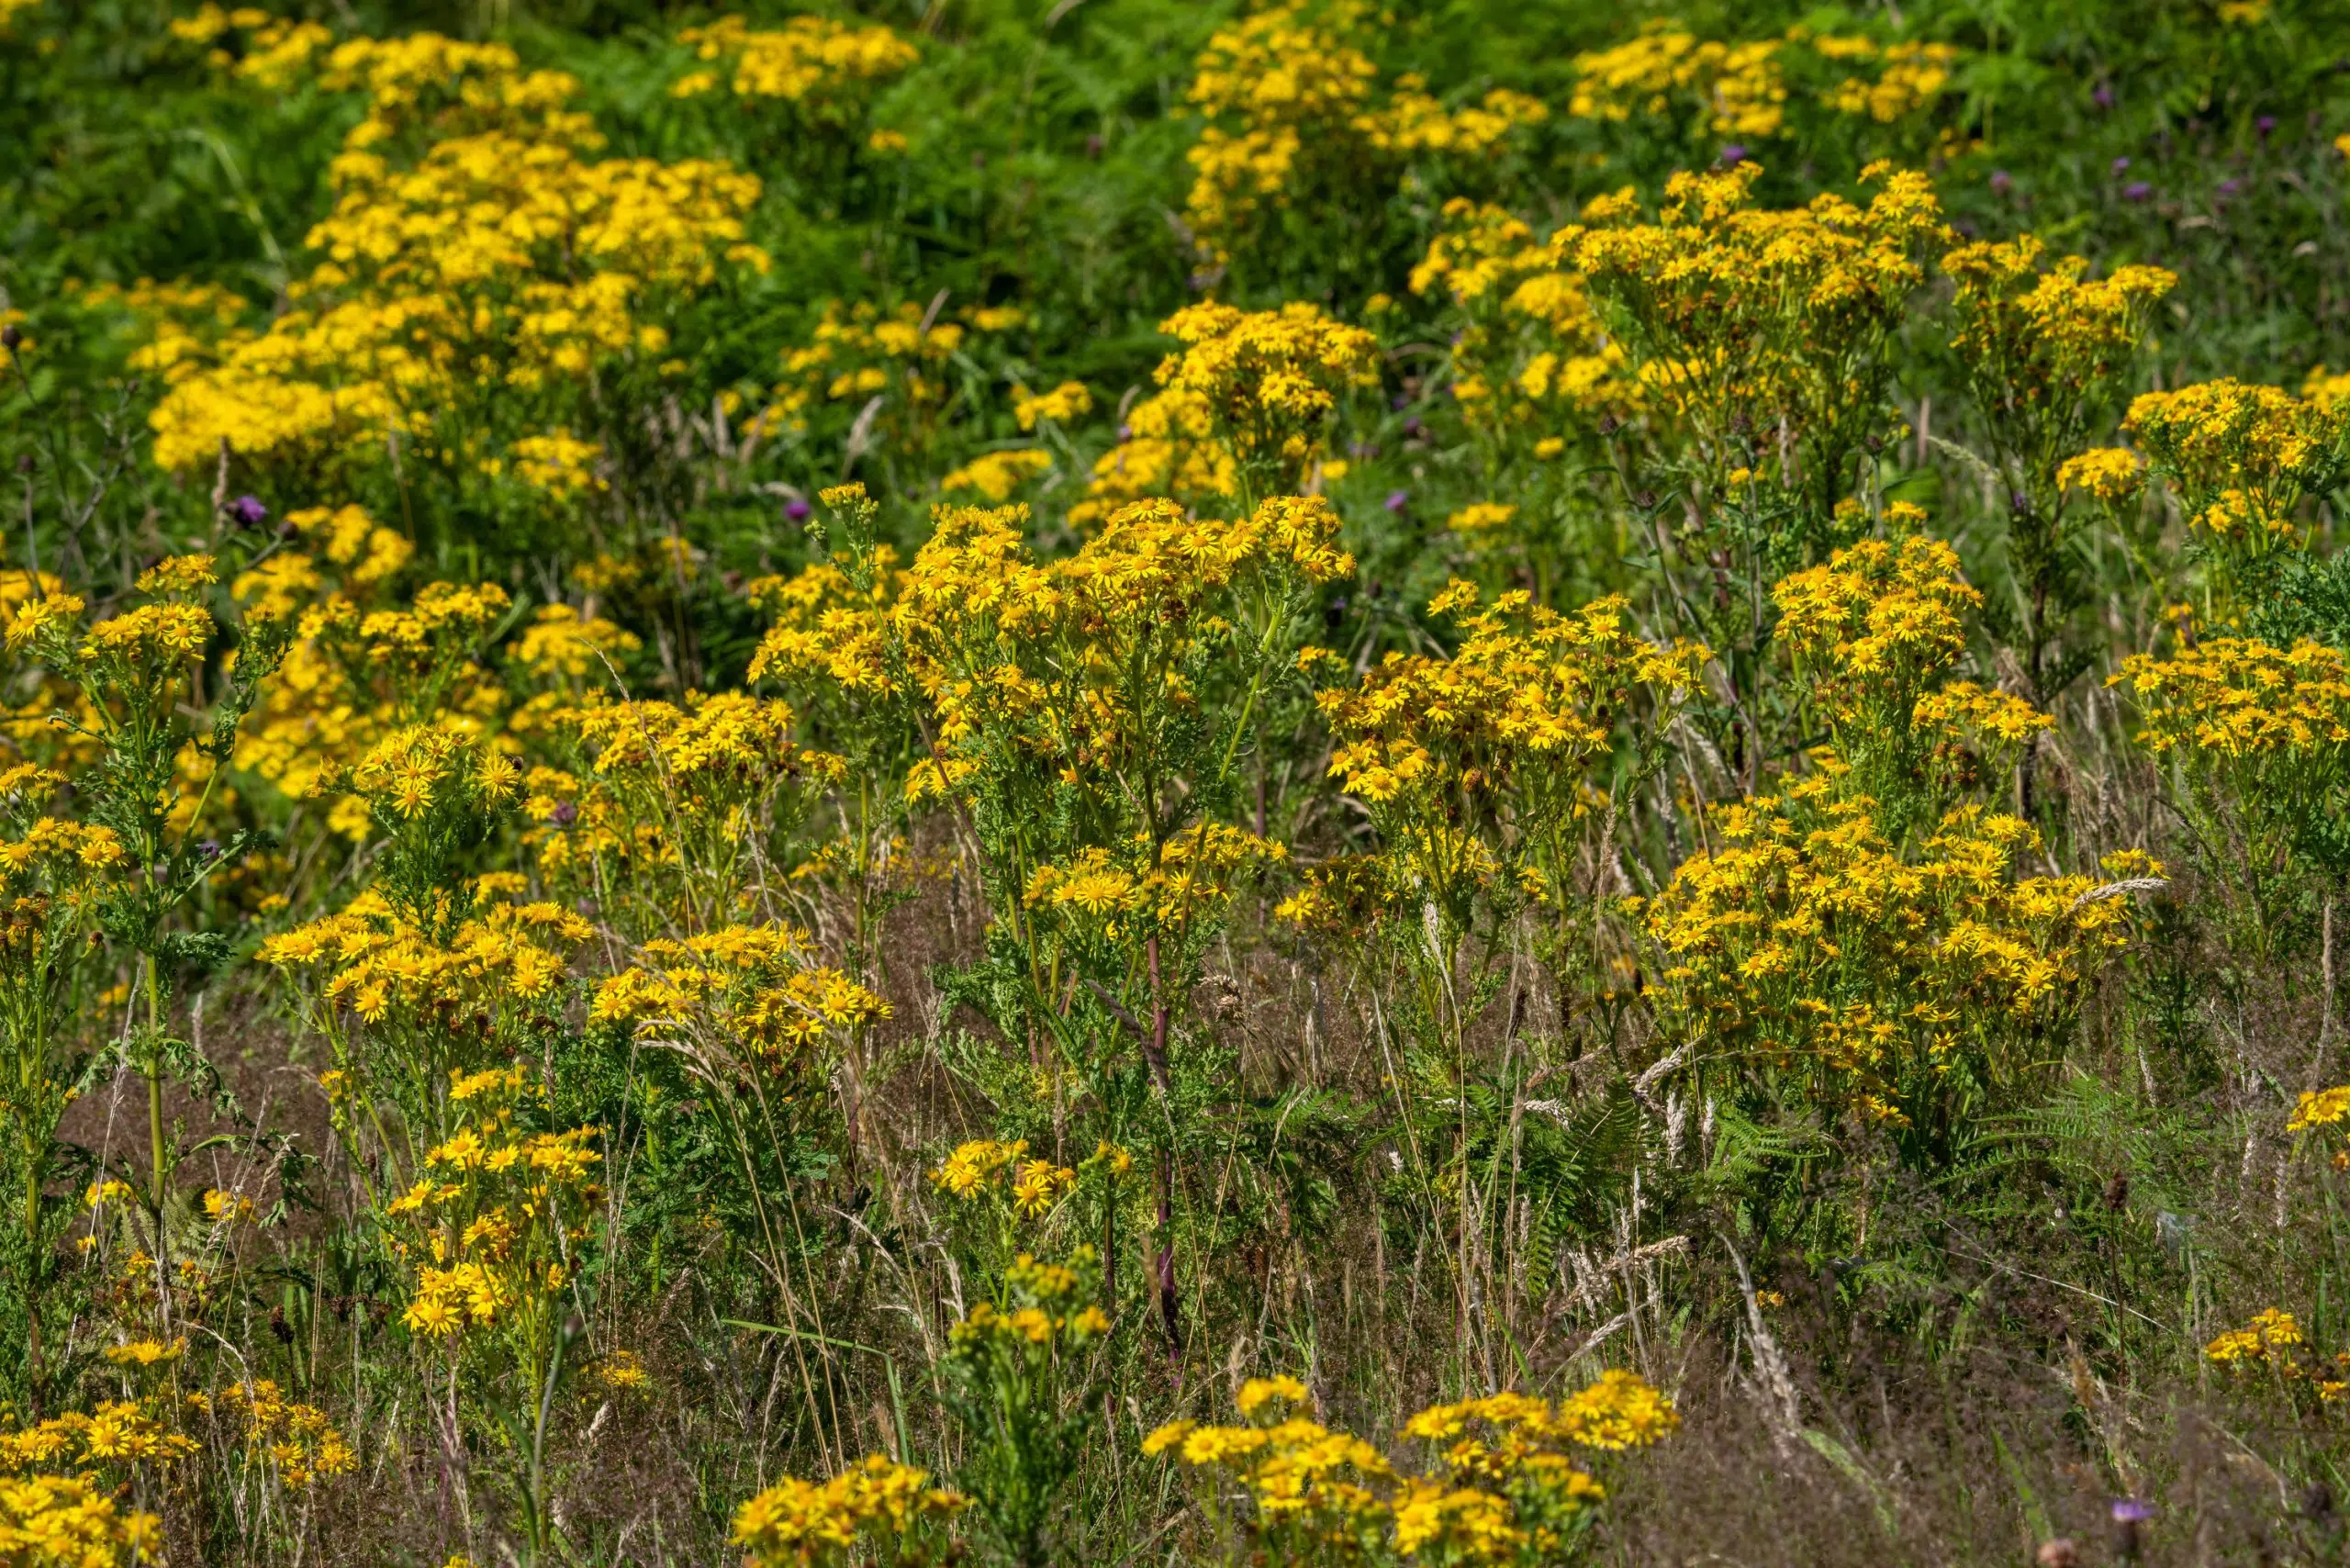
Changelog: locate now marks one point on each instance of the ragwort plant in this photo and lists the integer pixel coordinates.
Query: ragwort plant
(948, 743)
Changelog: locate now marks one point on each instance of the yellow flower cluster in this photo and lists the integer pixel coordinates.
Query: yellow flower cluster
(2241, 698)
(497, 259)
(116, 1433)
(2242, 458)
(890, 368)
(1242, 403)
(1741, 89)
(1533, 357)
(1040, 1317)
(72, 1520)
(1753, 319)
(297, 1439)
(1069, 400)
(273, 50)
(1911, 77)
(1805, 943)
(755, 988)
(1003, 644)
(1190, 884)
(685, 799)
(2113, 474)
(1267, 377)
(2264, 729)
(969, 1168)
(1292, 114)
(2320, 1108)
(497, 1215)
(1473, 766)
(827, 629)
(812, 62)
(1872, 631)
(996, 475)
(2044, 332)
(2270, 1332)
(1507, 1491)
(500, 959)
(1169, 446)
(802, 1524)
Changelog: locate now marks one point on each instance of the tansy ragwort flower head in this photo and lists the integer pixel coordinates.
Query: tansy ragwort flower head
(2243, 459)
(813, 64)
(1064, 404)
(1532, 358)
(1741, 89)
(1874, 979)
(755, 994)
(967, 1170)
(1269, 379)
(1508, 1481)
(1474, 768)
(1747, 319)
(2320, 1108)
(76, 1519)
(872, 1504)
(2231, 702)
(475, 249)
(1045, 1312)
(1873, 629)
(2113, 474)
(2040, 334)
(1528, 689)
(889, 371)
(1295, 113)
(2268, 1339)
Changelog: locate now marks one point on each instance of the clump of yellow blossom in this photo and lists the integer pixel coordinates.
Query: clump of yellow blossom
(814, 63)
(1749, 319)
(877, 1505)
(1295, 115)
(1507, 1488)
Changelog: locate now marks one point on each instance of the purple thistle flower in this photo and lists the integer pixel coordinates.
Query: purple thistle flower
(564, 814)
(2230, 185)
(1735, 153)
(797, 509)
(2137, 190)
(1401, 401)
(248, 510)
(2103, 97)
(2132, 1511)
(2002, 182)
(1413, 429)
(2265, 124)
(1398, 500)
(2120, 164)
(208, 850)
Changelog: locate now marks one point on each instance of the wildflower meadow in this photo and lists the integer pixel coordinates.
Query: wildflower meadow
(1036, 782)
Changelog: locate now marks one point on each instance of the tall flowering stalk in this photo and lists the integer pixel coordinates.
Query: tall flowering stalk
(1541, 384)
(494, 1228)
(2259, 738)
(1861, 940)
(147, 780)
(2042, 344)
(1765, 342)
(52, 873)
(1483, 775)
(1242, 413)
(2248, 464)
